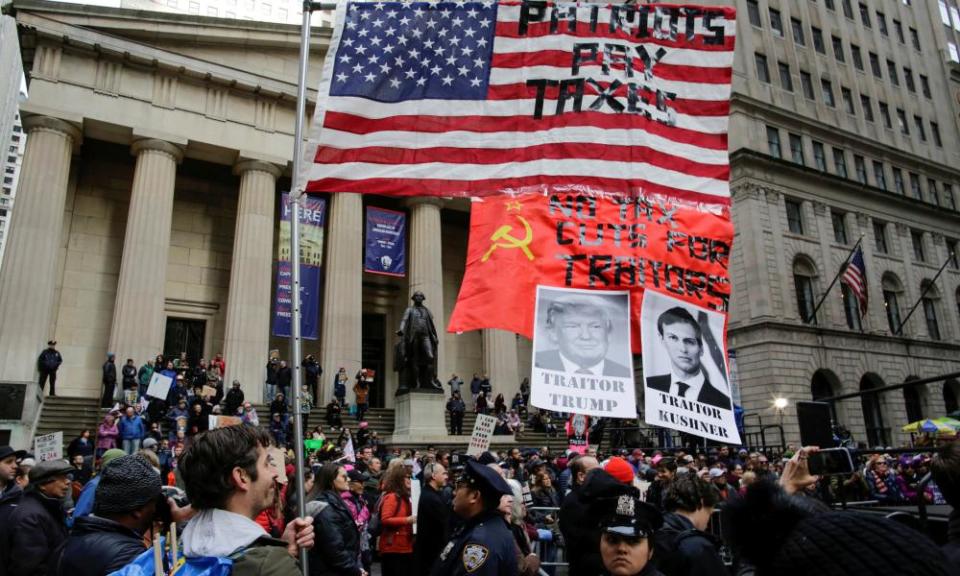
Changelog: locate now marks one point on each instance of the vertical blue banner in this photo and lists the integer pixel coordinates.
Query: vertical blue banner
(385, 246)
(312, 216)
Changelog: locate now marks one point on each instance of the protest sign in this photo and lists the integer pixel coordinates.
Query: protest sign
(48, 447)
(480, 439)
(215, 421)
(581, 353)
(130, 397)
(313, 444)
(277, 459)
(159, 386)
(208, 392)
(578, 433)
(385, 250)
(684, 364)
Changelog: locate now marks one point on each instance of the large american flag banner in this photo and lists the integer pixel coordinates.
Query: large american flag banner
(478, 98)
(855, 276)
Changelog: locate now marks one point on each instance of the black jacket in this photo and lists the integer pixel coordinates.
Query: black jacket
(36, 527)
(580, 527)
(685, 551)
(96, 547)
(49, 361)
(9, 501)
(433, 528)
(284, 377)
(129, 375)
(234, 401)
(336, 551)
(109, 373)
(952, 548)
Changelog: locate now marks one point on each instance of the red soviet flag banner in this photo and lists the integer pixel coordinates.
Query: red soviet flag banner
(603, 242)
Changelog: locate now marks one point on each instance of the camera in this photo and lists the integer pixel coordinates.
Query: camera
(164, 514)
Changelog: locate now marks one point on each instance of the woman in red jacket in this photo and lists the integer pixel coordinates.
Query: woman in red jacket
(396, 516)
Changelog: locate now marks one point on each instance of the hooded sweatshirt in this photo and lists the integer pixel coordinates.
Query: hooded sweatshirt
(219, 533)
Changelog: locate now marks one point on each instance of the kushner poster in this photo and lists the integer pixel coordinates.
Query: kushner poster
(687, 384)
(312, 216)
(581, 353)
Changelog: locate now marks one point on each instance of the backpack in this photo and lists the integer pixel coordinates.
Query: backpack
(375, 524)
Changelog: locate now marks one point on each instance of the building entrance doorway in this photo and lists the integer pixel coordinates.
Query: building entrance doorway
(373, 355)
(184, 335)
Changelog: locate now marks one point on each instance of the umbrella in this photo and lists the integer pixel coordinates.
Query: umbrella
(947, 421)
(930, 426)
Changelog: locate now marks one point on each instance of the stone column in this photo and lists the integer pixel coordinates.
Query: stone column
(343, 294)
(28, 278)
(247, 339)
(138, 314)
(426, 265)
(500, 363)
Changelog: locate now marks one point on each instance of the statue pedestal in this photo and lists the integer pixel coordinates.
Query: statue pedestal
(419, 417)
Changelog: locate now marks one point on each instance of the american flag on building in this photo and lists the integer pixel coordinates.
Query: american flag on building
(855, 276)
(476, 98)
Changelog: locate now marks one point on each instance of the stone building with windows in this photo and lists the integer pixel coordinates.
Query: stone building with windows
(159, 145)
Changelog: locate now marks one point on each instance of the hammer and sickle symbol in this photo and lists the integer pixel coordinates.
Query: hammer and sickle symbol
(503, 239)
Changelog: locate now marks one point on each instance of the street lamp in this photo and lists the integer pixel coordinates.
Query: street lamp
(780, 403)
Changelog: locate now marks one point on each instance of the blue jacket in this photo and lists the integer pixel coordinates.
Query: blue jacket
(84, 505)
(132, 428)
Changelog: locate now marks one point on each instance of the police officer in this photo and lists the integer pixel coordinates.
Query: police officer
(626, 541)
(483, 544)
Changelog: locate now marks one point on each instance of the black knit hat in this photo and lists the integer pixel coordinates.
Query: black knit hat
(126, 484)
(851, 543)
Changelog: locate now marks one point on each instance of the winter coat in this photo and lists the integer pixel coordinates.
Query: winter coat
(284, 377)
(214, 532)
(132, 428)
(129, 375)
(581, 535)
(49, 361)
(234, 401)
(337, 540)
(9, 500)
(433, 528)
(278, 407)
(80, 445)
(97, 546)
(144, 375)
(952, 548)
(312, 372)
(397, 536)
(107, 435)
(109, 373)
(686, 551)
(35, 529)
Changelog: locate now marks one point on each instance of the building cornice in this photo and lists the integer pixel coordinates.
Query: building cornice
(909, 345)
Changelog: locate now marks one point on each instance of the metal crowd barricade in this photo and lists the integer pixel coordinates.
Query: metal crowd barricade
(557, 565)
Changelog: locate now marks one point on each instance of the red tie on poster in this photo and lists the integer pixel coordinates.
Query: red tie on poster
(591, 242)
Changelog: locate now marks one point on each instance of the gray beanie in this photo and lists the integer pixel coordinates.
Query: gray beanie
(126, 484)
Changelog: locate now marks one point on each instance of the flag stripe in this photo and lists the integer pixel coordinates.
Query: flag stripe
(681, 105)
(387, 155)
(683, 90)
(675, 56)
(666, 71)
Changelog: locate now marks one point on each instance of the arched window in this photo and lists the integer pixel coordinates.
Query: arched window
(872, 413)
(892, 290)
(825, 384)
(912, 401)
(930, 303)
(804, 277)
(950, 403)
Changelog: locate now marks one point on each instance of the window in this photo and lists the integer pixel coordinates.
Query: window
(892, 73)
(867, 107)
(879, 175)
(847, 9)
(796, 149)
(829, 5)
(875, 65)
(865, 15)
(944, 13)
(840, 162)
(860, 165)
(902, 121)
(794, 216)
(806, 82)
(838, 49)
(915, 39)
(908, 79)
(915, 187)
(898, 28)
(916, 238)
(796, 27)
(851, 307)
(773, 142)
(753, 10)
(912, 403)
(819, 156)
(211, 11)
(930, 315)
(786, 82)
(193, 8)
(932, 190)
(857, 57)
(891, 301)
(918, 122)
(763, 74)
(776, 23)
(839, 226)
(882, 23)
(885, 115)
(952, 257)
(803, 275)
(880, 234)
(954, 54)
(935, 132)
(925, 86)
(898, 181)
(948, 200)
(818, 40)
(847, 100)
(826, 87)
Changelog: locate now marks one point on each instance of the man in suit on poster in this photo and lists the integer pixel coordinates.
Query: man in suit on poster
(580, 327)
(682, 338)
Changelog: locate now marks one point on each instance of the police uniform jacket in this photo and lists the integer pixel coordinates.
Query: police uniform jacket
(482, 546)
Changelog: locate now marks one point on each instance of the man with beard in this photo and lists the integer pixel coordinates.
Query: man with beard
(230, 479)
